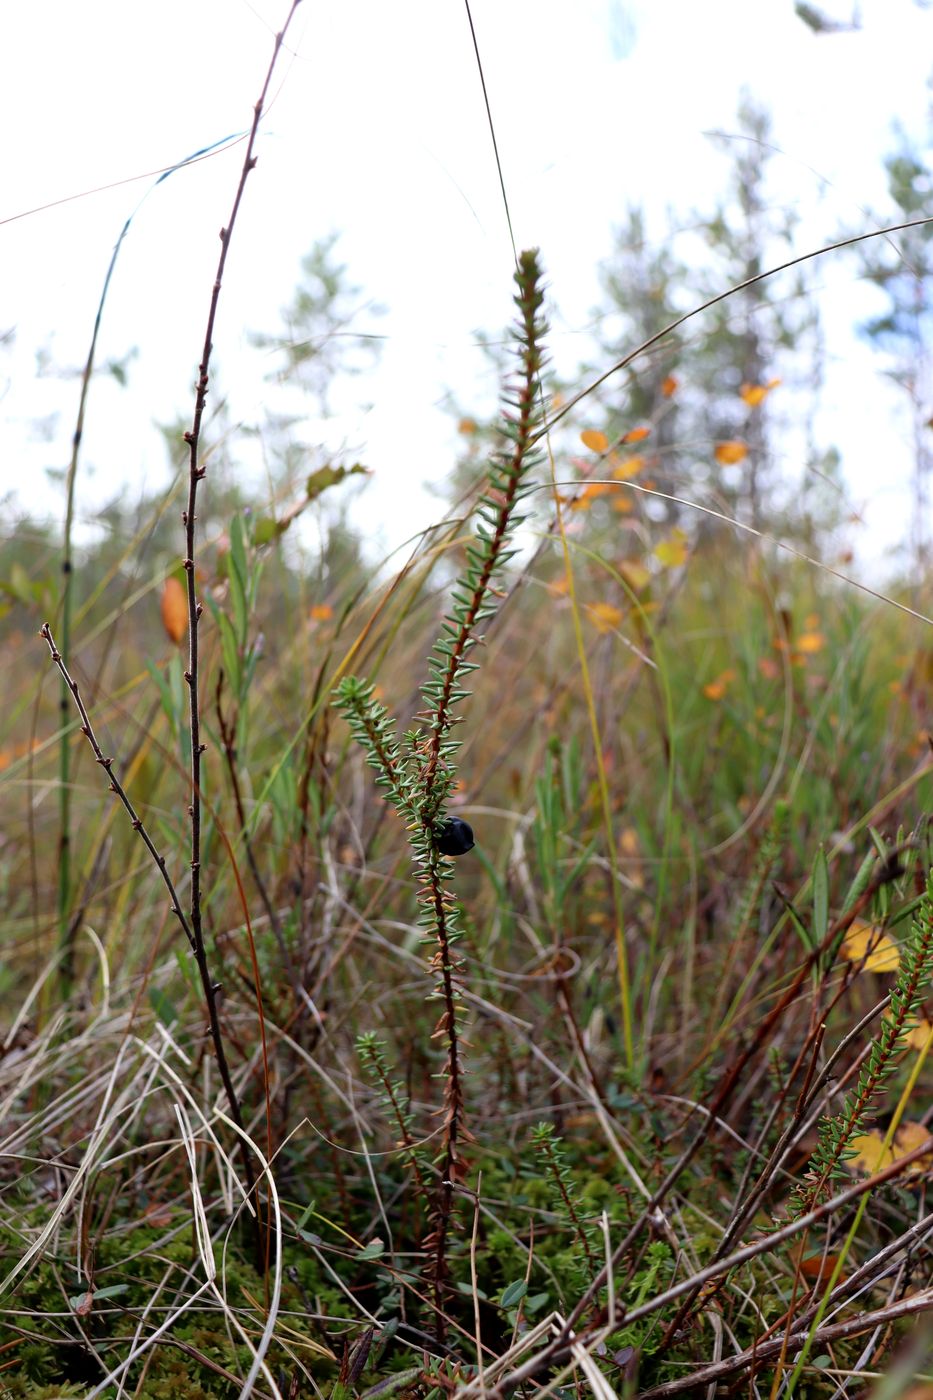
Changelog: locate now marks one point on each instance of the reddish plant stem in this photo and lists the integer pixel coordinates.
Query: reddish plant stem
(189, 518)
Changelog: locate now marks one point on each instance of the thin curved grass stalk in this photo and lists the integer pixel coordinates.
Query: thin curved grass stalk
(836, 1133)
(417, 775)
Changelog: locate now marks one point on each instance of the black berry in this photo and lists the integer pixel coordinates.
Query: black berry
(455, 837)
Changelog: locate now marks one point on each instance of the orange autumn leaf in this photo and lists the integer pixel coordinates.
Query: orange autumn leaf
(636, 575)
(815, 1267)
(636, 435)
(321, 612)
(669, 386)
(715, 690)
(629, 468)
(869, 943)
(596, 489)
(753, 394)
(673, 551)
(559, 587)
(624, 505)
(604, 616)
(821, 1267)
(174, 608)
(729, 454)
(468, 426)
(810, 642)
(594, 440)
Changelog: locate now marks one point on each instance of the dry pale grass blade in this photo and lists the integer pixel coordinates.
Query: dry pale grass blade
(100, 1135)
(259, 1352)
(164, 1328)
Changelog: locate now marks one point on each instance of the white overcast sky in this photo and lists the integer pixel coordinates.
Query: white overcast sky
(377, 130)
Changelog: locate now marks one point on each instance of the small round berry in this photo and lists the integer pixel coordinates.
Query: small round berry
(455, 837)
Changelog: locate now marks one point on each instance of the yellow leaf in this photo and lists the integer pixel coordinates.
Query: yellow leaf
(594, 440)
(174, 607)
(672, 552)
(729, 454)
(921, 1033)
(636, 575)
(871, 1155)
(321, 612)
(908, 1138)
(637, 435)
(870, 943)
(669, 386)
(810, 642)
(629, 468)
(604, 616)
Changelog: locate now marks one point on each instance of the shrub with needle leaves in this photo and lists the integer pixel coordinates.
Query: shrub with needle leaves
(418, 774)
(837, 1132)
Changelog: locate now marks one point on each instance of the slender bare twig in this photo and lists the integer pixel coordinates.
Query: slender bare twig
(765, 1351)
(196, 473)
(559, 1348)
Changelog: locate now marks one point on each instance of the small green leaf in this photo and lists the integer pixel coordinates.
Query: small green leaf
(513, 1293)
(266, 530)
(373, 1250)
(820, 897)
(230, 651)
(238, 603)
(325, 477)
(164, 1008)
(237, 557)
